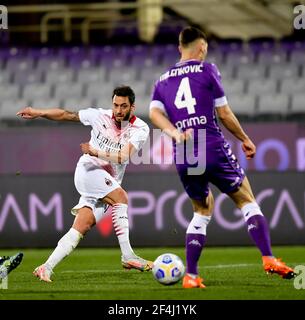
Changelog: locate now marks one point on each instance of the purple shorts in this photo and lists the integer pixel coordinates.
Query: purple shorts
(222, 170)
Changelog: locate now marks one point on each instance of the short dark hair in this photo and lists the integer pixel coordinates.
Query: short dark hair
(190, 34)
(124, 91)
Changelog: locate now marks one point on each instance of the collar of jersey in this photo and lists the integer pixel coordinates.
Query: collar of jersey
(185, 61)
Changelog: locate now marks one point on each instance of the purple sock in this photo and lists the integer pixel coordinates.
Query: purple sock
(259, 232)
(194, 244)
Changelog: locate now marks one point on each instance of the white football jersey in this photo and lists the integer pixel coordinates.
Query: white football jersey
(106, 136)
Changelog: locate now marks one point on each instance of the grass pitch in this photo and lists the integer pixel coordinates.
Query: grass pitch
(229, 273)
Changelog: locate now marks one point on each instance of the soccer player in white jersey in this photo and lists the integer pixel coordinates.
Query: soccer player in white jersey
(116, 134)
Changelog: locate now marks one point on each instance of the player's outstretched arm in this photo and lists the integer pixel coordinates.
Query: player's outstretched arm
(158, 119)
(229, 120)
(117, 157)
(55, 114)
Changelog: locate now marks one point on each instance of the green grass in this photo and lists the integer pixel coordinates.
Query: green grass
(229, 273)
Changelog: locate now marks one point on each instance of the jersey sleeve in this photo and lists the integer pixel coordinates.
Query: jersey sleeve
(139, 137)
(88, 116)
(218, 91)
(156, 99)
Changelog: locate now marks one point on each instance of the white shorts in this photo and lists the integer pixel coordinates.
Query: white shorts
(93, 184)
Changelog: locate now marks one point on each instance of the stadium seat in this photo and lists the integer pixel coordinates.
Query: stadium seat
(68, 90)
(151, 74)
(80, 62)
(9, 92)
(244, 105)
(48, 63)
(226, 71)
(297, 57)
(19, 64)
(273, 57)
(291, 86)
(45, 103)
(298, 103)
(142, 105)
(77, 104)
(273, 104)
(281, 71)
(5, 77)
(99, 91)
(259, 86)
(59, 76)
(36, 91)
(122, 75)
(140, 88)
(215, 57)
(27, 77)
(91, 75)
(239, 58)
(233, 86)
(258, 77)
(9, 108)
(251, 71)
(103, 102)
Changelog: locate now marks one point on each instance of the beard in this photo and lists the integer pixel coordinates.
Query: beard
(125, 119)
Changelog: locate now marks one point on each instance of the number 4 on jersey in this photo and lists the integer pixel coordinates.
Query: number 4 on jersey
(184, 98)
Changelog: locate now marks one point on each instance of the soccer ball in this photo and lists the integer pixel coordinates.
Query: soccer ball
(168, 268)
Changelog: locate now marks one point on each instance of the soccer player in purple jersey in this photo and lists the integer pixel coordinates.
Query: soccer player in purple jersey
(186, 100)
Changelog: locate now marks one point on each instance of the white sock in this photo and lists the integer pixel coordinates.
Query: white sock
(121, 227)
(198, 224)
(64, 247)
(251, 209)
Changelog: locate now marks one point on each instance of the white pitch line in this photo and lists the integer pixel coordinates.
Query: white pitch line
(218, 266)
(91, 271)
(222, 266)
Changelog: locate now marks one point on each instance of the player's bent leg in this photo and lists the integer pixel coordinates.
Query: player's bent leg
(119, 201)
(258, 229)
(195, 240)
(243, 195)
(82, 224)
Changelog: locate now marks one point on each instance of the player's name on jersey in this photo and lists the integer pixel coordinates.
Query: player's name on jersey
(181, 71)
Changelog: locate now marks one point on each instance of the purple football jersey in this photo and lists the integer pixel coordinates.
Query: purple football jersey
(188, 93)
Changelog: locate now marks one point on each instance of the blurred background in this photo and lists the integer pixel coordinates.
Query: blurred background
(71, 54)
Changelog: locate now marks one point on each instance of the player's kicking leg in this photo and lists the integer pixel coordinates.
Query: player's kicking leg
(8, 264)
(119, 201)
(195, 240)
(85, 219)
(259, 230)
(83, 222)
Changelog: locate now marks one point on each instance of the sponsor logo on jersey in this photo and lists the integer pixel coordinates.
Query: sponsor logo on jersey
(191, 122)
(106, 142)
